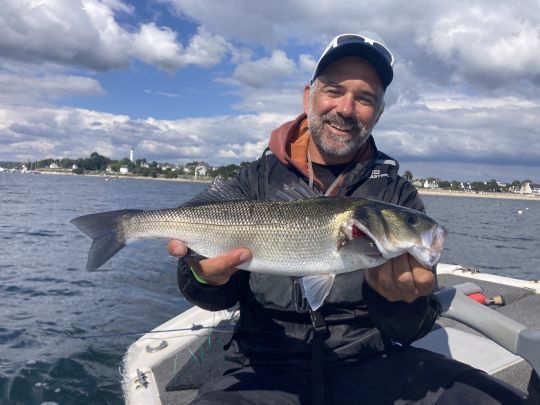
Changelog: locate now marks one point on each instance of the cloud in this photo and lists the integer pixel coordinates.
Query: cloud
(34, 89)
(472, 129)
(36, 132)
(158, 46)
(163, 93)
(486, 44)
(86, 33)
(76, 32)
(205, 49)
(257, 73)
(274, 83)
(285, 100)
(465, 130)
(251, 23)
(482, 43)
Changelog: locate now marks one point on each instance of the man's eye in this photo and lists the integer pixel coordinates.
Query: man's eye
(365, 100)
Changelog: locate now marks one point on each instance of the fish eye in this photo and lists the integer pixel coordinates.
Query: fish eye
(412, 220)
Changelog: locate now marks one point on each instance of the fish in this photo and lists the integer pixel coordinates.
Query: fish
(298, 233)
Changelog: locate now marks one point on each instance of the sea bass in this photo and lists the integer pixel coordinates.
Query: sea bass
(311, 237)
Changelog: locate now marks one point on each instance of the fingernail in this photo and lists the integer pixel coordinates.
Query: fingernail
(244, 256)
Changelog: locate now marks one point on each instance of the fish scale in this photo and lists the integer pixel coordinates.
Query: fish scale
(272, 231)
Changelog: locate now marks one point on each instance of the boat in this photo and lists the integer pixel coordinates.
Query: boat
(170, 363)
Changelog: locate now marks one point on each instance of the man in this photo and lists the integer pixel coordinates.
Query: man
(354, 349)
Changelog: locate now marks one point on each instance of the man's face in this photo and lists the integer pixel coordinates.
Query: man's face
(343, 106)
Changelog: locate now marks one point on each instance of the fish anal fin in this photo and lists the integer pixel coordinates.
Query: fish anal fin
(317, 288)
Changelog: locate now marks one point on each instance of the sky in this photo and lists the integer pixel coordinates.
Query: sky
(208, 80)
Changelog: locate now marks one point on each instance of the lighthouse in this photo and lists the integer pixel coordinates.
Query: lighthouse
(131, 155)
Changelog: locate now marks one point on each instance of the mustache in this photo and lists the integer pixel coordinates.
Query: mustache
(338, 120)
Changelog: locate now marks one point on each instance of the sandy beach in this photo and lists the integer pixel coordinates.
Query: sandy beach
(473, 194)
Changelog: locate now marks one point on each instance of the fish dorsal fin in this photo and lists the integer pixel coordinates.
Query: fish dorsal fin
(298, 190)
(220, 190)
(317, 288)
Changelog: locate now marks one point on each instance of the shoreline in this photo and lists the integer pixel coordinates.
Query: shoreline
(121, 176)
(421, 191)
(480, 194)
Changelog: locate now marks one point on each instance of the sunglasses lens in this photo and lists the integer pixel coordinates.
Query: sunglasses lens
(384, 52)
(344, 39)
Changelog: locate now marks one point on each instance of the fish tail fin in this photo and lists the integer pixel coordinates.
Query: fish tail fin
(105, 230)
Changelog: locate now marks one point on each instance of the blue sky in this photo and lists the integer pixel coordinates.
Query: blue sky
(184, 80)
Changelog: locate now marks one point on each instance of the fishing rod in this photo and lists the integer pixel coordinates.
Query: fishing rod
(194, 328)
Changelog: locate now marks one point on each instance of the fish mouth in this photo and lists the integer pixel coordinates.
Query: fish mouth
(427, 252)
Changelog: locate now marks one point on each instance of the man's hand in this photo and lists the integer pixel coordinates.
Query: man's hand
(402, 278)
(217, 270)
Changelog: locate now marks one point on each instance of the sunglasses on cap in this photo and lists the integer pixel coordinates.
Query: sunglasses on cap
(356, 38)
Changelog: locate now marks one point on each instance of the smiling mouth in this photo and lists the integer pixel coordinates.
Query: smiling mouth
(340, 129)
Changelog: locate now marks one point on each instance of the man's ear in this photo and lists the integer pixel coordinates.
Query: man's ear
(307, 92)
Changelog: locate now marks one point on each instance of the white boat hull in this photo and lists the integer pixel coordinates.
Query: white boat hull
(180, 333)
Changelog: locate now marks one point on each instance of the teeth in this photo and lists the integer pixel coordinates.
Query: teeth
(341, 128)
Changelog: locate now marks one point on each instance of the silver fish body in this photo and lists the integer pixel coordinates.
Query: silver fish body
(305, 237)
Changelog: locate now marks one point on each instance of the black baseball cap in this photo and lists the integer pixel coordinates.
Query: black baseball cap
(358, 45)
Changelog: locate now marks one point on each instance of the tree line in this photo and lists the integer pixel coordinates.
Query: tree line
(141, 167)
(480, 186)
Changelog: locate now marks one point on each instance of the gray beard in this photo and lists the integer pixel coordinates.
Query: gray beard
(334, 145)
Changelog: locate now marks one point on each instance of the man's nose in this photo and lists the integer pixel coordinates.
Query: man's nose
(346, 105)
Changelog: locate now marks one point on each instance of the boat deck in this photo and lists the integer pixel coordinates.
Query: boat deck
(180, 375)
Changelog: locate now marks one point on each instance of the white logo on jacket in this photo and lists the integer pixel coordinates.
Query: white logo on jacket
(376, 174)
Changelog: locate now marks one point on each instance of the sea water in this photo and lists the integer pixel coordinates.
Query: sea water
(48, 301)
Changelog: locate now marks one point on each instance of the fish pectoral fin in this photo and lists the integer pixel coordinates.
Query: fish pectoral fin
(317, 288)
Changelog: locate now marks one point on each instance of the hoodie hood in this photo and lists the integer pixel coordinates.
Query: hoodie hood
(293, 132)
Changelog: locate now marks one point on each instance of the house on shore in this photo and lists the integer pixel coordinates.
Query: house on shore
(431, 184)
(529, 188)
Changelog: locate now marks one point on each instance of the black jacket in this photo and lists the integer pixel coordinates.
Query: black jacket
(360, 322)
